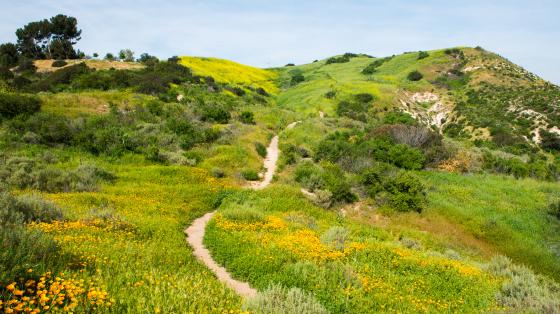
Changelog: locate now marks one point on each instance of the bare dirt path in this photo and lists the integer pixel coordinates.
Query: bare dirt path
(195, 233)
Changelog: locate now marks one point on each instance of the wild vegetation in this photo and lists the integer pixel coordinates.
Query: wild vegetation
(420, 182)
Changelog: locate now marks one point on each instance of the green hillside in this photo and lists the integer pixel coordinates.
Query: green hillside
(420, 182)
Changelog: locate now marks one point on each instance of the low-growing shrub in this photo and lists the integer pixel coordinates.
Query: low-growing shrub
(414, 76)
(217, 173)
(336, 237)
(243, 213)
(372, 67)
(423, 55)
(247, 117)
(12, 105)
(406, 193)
(339, 59)
(523, 291)
(58, 63)
(250, 175)
(261, 149)
(277, 299)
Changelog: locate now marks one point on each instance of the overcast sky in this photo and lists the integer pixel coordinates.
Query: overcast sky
(273, 33)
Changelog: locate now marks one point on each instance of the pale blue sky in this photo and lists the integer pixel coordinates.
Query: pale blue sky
(273, 33)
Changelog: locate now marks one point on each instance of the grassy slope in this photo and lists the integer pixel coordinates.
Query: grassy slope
(226, 71)
(346, 79)
(152, 268)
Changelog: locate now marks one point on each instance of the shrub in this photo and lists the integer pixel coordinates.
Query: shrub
(423, 55)
(261, 91)
(549, 141)
(277, 299)
(414, 136)
(330, 94)
(337, 184)
(339, 59)
(58, 63)
(372, 67)
(63, 76)
(399, 117)
(6, 74)
(214, 112)
(414, 76)
(554, 208)
(261, 149)
(353, 110)
(406, 193)
(27, 208)
(309, 175)
(364, 97)
(12, 105)
(247, 117)
(523, 291)
(250, 175)
(296, 79)
(217, 173)
(50, 127)
(243, 213)
(336, 237)
(26, 66)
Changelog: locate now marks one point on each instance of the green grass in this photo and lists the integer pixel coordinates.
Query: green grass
(374, 271)
(509, 214)
(140, 256)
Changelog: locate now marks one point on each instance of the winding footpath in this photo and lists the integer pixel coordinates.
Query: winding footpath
(195, 232)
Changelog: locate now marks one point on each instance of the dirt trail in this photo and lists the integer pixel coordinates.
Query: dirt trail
(195, 233)
(272, 153)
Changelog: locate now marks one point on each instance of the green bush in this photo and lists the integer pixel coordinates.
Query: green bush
(399, 117)
(64, 76)
(217, 173)
(261, 149)
(277, 299)
(353, 110)
(339, 59)
(414, 76)
(309, 175)
(247, 117)
(554, 209)
(372, 67)
(58, 63)
(50, 127)
(12, 105)
(250, 175)
(243, 213)
(337, 184)
(215, 113)
(423, 55)
(406, 193)
(405, 157)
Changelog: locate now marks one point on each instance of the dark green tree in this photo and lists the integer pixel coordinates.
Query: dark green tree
(8, 55)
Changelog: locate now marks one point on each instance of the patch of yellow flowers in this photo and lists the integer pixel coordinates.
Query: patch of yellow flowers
(52, 294)
(271, 223)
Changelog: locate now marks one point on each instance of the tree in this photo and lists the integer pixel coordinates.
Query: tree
(8, 55)
(109, 56)
(95, 55)
(126, 55)
(147, 59)
(52, 38)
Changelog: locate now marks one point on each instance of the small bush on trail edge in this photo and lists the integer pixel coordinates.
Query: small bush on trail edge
(414, 76)
(261, 149)
(58, 63)
(277, 299)
(330, 94)
(250, 175)
(243, 213)
(247, 117)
